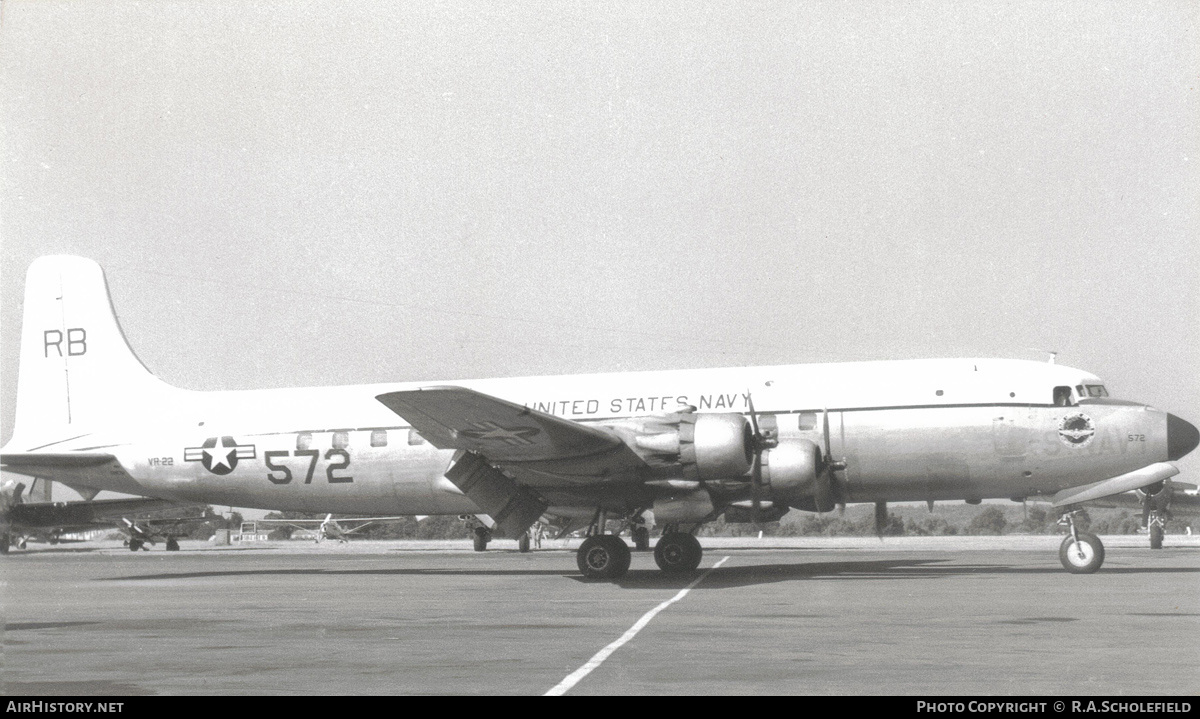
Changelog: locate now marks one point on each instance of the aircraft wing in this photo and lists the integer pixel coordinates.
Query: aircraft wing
(459, 418)
(516, 462)
(1136, 479)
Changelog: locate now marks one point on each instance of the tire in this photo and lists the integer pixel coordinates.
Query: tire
(678, 553)
(1156, 536)
(4, 542)
(481, 539)
(641, 538)
(172, 544)
(1091, 549)
(603, 557)
(134, 545)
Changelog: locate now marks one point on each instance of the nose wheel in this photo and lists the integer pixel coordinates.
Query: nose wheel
(1080, 552)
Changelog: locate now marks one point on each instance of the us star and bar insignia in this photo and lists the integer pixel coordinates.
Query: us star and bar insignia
(219, 455)
(486, 431)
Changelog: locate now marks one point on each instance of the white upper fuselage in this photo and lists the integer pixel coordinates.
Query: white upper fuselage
(589, 397)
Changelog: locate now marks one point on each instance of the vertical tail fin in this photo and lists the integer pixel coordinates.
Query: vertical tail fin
(76, 370)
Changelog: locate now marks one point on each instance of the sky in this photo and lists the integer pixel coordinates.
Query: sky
(300, 193)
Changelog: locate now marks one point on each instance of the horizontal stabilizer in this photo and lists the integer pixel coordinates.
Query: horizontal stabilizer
(1136, 479)
(56, 460)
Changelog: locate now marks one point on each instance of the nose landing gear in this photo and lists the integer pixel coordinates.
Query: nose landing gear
(1080, 552)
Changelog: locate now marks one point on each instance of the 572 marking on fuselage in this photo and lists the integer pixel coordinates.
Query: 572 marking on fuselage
(340, 456)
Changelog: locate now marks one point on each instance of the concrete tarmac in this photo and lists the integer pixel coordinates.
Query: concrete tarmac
(907, 616)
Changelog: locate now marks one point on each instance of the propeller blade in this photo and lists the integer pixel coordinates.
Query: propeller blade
(753, 417)
(756, 487)
(825, 432)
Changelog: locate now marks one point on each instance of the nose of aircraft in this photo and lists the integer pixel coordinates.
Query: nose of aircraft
(1182, 437)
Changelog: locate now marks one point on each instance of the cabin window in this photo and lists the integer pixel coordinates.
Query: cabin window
(379, 438)
(1096, 390)
(341, 440)
(1062, 397)
(304, 440)
(414, 438)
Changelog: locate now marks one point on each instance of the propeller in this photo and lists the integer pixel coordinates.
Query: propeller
(759, 443)
(824, 495)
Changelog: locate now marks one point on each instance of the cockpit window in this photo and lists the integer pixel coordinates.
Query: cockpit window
(1096, 390)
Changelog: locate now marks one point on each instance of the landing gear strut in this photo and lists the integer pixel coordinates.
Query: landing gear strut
(1080, 552)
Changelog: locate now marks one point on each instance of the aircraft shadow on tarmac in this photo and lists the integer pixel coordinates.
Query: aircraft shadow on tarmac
(720, 578)
(756, 574)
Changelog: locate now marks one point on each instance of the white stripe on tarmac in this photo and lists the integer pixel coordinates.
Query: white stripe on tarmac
(574, 677)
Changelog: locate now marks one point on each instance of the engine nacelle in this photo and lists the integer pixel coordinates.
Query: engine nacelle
(791, 471)
(684, 507)
(703, 446)
(1158, 490)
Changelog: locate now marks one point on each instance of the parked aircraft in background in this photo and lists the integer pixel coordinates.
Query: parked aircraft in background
(1158, 504)
(328, 528)
(142, 521)
(748, 443)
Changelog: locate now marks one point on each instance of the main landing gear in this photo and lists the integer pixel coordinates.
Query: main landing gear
(1156, 523)
(482, 536)
(677, 552)
(1080, 552)
(607, 556)
(602, 556)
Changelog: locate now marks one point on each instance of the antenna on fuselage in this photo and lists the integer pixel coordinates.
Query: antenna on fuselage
(1052, 353)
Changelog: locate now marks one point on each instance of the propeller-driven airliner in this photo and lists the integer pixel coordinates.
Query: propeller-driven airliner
(749, 443)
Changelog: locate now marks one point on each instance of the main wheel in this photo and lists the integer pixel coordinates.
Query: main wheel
(1156, 536)
(641, 538)
(172, 544)
(523, 543)
(603, 556)
(135, 544)
(1082, 557)
(481, 538)
(678, 553)
(4, 540)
